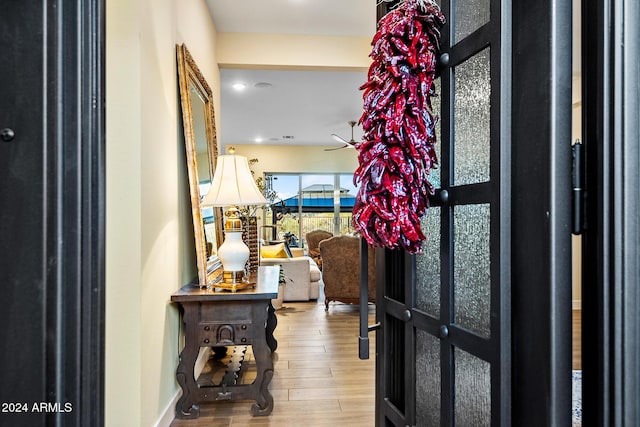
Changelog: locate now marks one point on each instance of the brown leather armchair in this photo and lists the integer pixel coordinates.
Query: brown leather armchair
(313, 238)
(341, 271)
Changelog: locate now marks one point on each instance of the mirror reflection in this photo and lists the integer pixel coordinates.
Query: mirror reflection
(204, 167)
(201, 152)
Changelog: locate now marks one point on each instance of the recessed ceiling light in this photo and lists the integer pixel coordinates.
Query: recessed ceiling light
(262, 85)
(258, 139)
(239, 86)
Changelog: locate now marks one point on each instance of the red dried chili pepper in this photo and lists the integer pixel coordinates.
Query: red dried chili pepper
(397, 150)
(406, 167)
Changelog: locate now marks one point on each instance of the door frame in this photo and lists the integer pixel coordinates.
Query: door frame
(56, 208)
(611, 241)
(76, 215)
(541, 213)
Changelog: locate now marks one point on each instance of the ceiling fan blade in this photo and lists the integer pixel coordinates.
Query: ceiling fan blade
(347, 144)
(339, 148)
(339, 138)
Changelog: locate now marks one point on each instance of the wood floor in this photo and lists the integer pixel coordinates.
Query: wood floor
(319, 379)
(577, 337)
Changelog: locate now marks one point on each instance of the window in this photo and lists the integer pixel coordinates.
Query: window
(308, 202)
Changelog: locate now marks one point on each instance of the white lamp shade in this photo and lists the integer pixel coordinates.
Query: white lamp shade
(233, 184)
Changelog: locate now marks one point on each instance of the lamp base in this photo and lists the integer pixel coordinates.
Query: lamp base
(234, 281)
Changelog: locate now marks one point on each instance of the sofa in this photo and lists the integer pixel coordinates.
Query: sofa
(341, 270)
(302, 275)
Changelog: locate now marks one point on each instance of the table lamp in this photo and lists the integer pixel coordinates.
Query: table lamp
(233, 186)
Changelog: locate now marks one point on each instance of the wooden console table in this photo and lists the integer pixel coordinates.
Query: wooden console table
(223, 319)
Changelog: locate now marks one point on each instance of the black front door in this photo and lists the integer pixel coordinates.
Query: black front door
(445, 313)
(465, 326)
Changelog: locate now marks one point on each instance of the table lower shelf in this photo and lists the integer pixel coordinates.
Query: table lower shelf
(231, 373)
(228, 366)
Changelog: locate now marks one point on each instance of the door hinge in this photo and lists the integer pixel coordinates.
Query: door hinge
(578, 196)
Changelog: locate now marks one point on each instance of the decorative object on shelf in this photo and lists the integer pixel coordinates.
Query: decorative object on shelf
(398, 147)
(233, 186)
(250, 238)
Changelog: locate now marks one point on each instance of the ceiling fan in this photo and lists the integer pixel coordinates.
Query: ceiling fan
(347, 144)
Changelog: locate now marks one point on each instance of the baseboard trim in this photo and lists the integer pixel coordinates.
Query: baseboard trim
(576, 304)
(167, 416)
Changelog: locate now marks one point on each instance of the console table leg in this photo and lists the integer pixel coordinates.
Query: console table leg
(272, 322)
(186, 407)
(264, 403)
(263, 346)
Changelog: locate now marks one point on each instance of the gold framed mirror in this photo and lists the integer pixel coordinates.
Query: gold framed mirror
(198, 119)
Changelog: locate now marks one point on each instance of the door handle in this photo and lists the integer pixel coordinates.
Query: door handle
(365, 328)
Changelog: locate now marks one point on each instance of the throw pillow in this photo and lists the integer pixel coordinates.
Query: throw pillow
(274, 251)
(297, 252)
(286, 246)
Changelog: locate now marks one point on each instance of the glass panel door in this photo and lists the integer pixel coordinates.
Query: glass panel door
(463, 316)
(440, 311)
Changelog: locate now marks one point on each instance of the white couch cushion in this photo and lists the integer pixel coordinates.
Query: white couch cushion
(297, 271)
(314, 272)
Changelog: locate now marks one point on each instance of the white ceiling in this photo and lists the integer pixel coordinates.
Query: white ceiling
(307, 105)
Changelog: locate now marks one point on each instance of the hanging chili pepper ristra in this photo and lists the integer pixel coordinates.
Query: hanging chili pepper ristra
(397, 150)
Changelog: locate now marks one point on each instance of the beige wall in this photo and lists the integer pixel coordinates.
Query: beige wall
(281, 158)
(150, 248)
(302, 51)
(123, 215)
